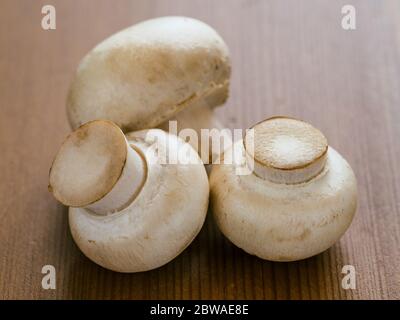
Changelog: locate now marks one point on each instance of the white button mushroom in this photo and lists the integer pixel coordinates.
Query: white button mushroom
(145, 75)
(130, 209)
(299, 200)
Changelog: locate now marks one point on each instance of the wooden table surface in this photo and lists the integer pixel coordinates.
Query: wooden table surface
(289, 57)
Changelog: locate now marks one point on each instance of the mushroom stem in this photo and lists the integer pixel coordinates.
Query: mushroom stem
(200, 115)
(126, 188)
(97, 169)
(289, 176)
(286, 150)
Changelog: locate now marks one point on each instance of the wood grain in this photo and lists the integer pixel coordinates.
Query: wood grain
(289, 57)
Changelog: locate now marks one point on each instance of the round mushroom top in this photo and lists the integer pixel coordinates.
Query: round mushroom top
(88, 164)
(286, 144)
(147, 73)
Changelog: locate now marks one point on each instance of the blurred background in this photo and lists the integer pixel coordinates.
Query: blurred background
(288, 58)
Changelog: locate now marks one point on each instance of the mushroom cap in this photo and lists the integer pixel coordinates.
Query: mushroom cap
(145, 74)
(88, 164)
(283, 222)
(162, 220)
